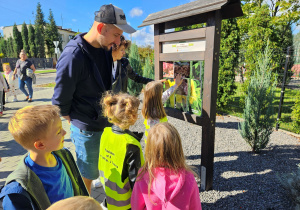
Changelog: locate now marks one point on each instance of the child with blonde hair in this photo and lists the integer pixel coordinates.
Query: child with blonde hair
(153, 109)
(48, 172)
(76, 203)
(9, 75)
(165, 181)
(121, 154)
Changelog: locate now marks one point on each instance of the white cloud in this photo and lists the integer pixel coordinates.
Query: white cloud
(74, 20)
(145, 36)
(135, 12)
(1, 27)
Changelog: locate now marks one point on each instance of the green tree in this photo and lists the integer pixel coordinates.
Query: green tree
(39, 24)
(144, 52)
(39, 43)
(24, 34)
(149, 68)
(10, 48)
(18, 43)
(228, 61)
(39, 18)
(135, 62)
(258, 113)
(267, 20)
(51, 34)
(3, 46)
(31, 41)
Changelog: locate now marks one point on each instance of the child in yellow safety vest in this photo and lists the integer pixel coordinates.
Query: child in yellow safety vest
(121, 154)
(153, 110)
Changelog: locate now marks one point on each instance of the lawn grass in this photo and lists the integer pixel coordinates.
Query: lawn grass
(48, 85)
(45, 71)
(235, 108)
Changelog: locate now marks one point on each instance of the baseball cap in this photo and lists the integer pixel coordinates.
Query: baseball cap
(111, 14)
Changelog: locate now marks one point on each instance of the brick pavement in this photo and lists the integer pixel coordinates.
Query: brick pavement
(11, 152)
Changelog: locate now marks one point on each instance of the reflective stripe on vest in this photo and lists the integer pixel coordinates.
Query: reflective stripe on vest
(112, 154)
(165, 119)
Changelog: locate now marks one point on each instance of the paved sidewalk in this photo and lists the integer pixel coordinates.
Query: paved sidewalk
(11, 152)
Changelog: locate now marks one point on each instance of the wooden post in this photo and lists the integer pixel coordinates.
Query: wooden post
(158, 65)
(210, 87)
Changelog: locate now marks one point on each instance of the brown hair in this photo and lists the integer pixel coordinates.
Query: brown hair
(31, 123)
(124, 42)
(120, 109)
(163, 149)
(153, 107)
(76, 203)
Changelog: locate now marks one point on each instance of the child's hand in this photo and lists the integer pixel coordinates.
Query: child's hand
(162, 80)
(178, 79)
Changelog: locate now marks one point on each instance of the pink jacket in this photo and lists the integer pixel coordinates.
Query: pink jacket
(168, 191)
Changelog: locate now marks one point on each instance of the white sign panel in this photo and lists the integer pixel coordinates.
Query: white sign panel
(56, 43)
(184, 46)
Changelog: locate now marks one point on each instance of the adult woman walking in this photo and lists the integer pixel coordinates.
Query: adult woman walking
(122, 70)
(23, 66)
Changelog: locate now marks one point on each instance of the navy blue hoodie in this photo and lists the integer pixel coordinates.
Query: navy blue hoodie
(79, 86)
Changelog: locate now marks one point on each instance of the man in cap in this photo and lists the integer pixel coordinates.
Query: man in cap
(84, 73)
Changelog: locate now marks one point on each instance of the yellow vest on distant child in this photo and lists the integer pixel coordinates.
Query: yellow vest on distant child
(165, 119)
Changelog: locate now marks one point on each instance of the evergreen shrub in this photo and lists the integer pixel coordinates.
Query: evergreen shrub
(258, 120)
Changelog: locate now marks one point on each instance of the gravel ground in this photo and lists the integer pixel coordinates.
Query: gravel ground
(242, 179)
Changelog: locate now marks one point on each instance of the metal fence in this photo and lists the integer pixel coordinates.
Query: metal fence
(39, 63)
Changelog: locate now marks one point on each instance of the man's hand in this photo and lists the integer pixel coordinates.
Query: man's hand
(67, 118)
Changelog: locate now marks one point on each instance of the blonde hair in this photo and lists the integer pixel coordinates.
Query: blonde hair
(153, 107)
(31, 123)
(120, 109)
(76, 203)
(163, 149)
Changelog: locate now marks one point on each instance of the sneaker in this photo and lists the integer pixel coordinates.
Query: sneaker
(103, 206)
(30, 100)
(96, 183)
(26, 99)
(15, 100)
(1, 114)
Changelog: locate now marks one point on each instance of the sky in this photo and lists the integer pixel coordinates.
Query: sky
(78, 15)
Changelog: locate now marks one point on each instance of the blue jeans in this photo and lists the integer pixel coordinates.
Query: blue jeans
(28, 83)
(87, 148)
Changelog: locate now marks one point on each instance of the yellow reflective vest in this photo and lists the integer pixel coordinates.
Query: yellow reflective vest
(113, 148)
(165, 119)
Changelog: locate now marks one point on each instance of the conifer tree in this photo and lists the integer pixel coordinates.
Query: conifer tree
(10, 48)
(134, 60)
(258, 120)
(18, 43)
(39, 43)
(51, 34)
(3, 46)
(228, 61)
(24, 34)
(148, 68)
(39, 25)
(39, 18)
(31, 41)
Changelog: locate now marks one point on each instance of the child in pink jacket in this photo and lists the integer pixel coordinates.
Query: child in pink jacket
(165, 181)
